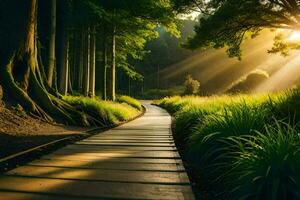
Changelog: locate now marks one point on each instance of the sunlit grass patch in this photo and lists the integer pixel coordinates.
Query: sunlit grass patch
(130, 101)
(242, 145)
(107, 112)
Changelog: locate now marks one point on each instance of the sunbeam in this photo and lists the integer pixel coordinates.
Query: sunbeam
(283, 78)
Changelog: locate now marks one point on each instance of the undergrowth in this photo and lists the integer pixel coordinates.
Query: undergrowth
(130, 101)
(242, 146)
(107, 112)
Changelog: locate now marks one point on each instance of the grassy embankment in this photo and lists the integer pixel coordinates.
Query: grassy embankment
(241, 147)
(107, 112)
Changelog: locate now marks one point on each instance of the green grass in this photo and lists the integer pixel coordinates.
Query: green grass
(161, 93)
(130, 101)
(107, 112)
(242, 146)
(266, 166)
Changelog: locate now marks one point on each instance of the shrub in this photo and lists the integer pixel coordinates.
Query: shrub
(192, 86)
(248, 83)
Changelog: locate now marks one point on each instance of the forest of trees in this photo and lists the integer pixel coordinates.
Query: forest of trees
(54, 48)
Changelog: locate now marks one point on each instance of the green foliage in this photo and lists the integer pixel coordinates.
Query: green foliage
(243, 146)
(136, 23)
(186, 120)
(186, 6)
(108, 112)
(164, 52)
(265, 165)
(191, 85)
(282, 46)
(246, 84)
(161, 93)
(226, 23)
(130, 101)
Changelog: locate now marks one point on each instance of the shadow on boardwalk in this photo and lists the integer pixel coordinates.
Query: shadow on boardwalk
(137, 160)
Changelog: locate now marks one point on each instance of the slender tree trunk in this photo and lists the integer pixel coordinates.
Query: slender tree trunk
(92, 62)
(129, 86)
(81, 62)
(113, 66)
(73, 77)
(104, 64)
(76, 58)
(64, 66)
(86, 74)
(51, 62)
(70, 85)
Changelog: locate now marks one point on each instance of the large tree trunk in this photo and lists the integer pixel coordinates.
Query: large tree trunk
(23, 83)
(92, 62)
(51, 62)
(23, 62)
(104, 65)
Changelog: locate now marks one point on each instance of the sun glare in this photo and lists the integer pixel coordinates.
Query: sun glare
(193, 16)
(295, 36)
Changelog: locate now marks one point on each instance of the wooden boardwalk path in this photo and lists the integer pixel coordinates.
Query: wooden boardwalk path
(137, 160)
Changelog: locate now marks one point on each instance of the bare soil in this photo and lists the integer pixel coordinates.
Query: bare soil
(19, 132)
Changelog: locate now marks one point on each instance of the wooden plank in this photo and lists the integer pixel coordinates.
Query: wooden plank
(127, 154)
(113, 159)
(92, 147)
(86, 164)
(124, 176)
(92, 189)
(137, 160)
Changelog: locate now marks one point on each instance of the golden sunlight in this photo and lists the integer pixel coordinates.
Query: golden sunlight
(193, 15)
(294, 36)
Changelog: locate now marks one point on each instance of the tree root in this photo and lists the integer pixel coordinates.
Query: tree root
(39, 103)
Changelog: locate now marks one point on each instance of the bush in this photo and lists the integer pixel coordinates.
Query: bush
(192, 86)
(248, 83)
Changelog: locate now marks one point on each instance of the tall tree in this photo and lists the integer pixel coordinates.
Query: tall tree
(113, 60)
(104, 65)
(20, 73)
(51, 58)
(86, 67)
(64, 64)
(92, 62)
(86, 16)
(131, 18)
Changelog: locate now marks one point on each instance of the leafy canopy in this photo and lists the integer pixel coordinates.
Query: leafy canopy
(135, 21)
(227, 23)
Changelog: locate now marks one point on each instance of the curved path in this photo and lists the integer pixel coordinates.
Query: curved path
(137, 160)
